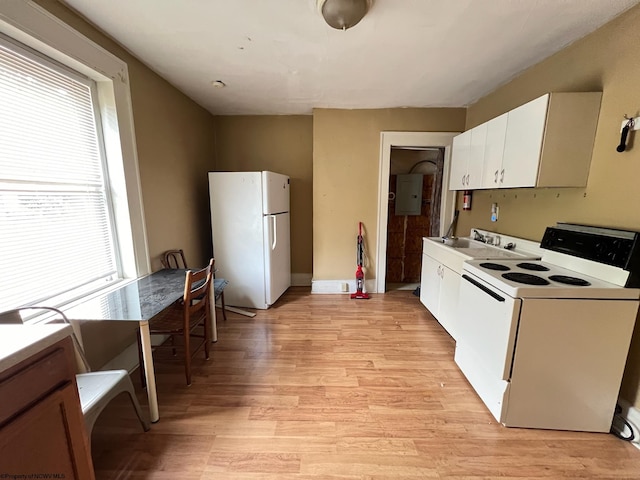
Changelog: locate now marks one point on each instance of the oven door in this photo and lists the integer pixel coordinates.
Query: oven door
(488, 322)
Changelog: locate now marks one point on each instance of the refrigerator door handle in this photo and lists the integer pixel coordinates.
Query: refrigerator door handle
(274, 232)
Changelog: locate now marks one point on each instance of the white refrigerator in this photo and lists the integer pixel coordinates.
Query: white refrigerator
(250, 232)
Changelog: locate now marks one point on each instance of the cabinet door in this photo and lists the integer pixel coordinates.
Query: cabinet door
(523, 144)
(476, 157)
(48, 439)
(430, 284)
(448, 307)
(460, 151)
(494, 151)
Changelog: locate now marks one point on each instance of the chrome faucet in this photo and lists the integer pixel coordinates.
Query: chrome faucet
(478, 236)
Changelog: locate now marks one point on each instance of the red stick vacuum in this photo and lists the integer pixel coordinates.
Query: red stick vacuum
(360, 294)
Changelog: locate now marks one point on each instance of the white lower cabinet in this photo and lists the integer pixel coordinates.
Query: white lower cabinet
(439, 292)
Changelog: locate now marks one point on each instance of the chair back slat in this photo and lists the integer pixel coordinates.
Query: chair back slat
(174, 259)
(196, 287)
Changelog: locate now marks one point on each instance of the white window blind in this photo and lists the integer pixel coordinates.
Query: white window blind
(56, 236)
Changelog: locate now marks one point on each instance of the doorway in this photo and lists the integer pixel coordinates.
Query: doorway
(415, 188)
(399, 239)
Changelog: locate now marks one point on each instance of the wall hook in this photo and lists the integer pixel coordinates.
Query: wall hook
(625, 131)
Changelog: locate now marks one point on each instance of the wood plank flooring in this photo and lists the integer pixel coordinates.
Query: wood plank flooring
(324, 387)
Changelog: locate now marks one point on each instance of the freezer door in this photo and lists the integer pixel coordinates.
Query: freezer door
(277, 256)
(275, 193)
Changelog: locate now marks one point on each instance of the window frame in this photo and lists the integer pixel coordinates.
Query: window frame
(26, 23)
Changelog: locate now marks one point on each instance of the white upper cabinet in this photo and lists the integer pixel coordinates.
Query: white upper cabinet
(460, 151)
(493, 151)
(547, 142)
(475, 165)
(468, 159)
(523, 143)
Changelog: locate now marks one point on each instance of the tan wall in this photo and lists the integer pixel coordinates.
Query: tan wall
(603, 61)
(282, 144)
(346, 162)
(175, 145)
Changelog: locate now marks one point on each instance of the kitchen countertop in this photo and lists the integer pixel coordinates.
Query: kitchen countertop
(19, 342)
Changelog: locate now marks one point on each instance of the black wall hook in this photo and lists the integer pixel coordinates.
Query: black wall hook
(625, 132)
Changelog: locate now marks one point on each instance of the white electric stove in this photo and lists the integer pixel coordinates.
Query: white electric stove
(541, 279)
(544, 343)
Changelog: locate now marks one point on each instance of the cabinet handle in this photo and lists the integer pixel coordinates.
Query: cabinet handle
(502, 176)
(495, 178)
(468, 175)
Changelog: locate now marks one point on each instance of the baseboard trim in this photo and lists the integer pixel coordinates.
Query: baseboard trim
(301, 279)
(340, 286)
(632, 415)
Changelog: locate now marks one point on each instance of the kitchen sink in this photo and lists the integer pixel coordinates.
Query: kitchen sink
(463, 243)
(462, 249)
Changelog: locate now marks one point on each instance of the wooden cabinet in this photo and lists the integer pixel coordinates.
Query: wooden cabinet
(547, 142)
(41, 424)
(439, 292)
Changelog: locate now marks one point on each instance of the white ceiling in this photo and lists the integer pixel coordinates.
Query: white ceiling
(280, 57)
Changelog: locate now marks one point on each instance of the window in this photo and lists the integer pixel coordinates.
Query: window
(55, 213)
(96, 104)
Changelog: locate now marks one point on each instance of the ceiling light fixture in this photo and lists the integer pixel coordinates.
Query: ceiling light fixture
(218, 84)
(343, 14)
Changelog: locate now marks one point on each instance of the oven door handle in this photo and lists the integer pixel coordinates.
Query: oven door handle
(486, 290)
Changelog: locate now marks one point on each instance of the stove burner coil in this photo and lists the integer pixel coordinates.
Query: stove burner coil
(533, 266)
(578, 282)
(526, 278)
(494, 266)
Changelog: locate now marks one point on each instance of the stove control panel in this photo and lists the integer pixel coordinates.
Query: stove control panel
(619, 248)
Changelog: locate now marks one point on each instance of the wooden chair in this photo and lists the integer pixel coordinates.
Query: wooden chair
(96, 389)
(184, 317)
(176, 259)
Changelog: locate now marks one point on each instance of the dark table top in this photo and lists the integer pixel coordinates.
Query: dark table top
(139, 300)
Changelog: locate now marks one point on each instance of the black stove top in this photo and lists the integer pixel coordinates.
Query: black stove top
(495, 266)
(574, 281)
(525, 278)
(533, 266)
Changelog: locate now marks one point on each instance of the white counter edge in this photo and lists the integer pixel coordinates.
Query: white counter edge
(19, 342)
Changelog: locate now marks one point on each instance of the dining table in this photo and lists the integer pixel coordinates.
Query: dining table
(139, 301)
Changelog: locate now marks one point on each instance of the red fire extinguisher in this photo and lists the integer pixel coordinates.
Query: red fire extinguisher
(466, 200)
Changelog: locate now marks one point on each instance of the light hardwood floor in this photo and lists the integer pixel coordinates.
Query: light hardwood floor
(324, 387)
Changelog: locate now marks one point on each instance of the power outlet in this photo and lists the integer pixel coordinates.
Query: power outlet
(344, 287)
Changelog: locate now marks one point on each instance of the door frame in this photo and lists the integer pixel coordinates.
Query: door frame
(447, 203)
